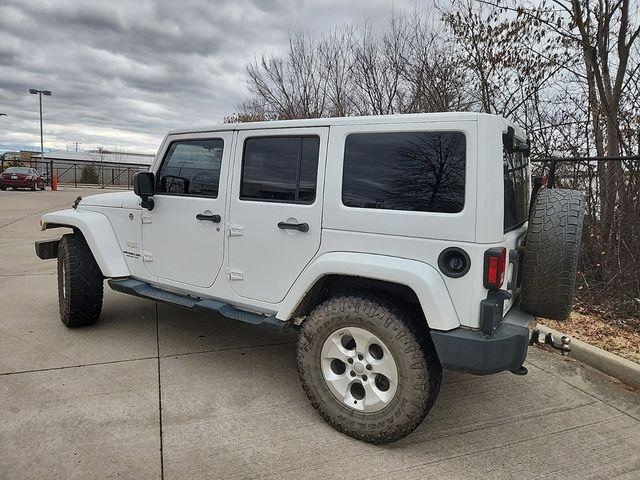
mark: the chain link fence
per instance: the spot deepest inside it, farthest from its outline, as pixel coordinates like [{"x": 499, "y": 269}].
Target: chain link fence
[
  {"x": 609, "y": 270},
  {"x": 83, "y": 174}
]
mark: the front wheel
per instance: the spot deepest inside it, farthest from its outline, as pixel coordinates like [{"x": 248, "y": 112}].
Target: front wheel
[
  {"x": 80, "y": 282},
  {"x": 368, "y": 370}
]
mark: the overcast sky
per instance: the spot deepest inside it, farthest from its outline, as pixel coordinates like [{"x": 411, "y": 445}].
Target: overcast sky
[{"x": 122, "y": 73}]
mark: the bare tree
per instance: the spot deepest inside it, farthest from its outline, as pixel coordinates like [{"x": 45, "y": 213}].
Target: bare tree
[
  {"x": 291, "y": 87},
  {"x": 402, "y": 68}
]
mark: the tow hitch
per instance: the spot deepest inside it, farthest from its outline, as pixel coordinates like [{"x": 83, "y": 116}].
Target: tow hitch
[{"x": 563, "y": 345}]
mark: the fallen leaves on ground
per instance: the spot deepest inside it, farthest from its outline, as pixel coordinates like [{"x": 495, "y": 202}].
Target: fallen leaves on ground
[{"x": 617, "y": 336}]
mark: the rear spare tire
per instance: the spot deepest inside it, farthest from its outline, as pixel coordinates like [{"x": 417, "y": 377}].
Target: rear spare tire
[
  {"x": 551, "y": 253},
  {"x": 80, "y": 282}
]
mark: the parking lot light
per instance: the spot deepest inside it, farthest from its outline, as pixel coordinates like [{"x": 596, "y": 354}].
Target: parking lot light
[{"x": 34, "y": 91}]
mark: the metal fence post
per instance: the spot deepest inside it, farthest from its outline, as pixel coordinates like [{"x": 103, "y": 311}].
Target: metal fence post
[{"x": 551, "y": 178}]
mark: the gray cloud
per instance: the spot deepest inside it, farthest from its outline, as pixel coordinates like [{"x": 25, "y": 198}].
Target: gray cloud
[{"x": 124, "y": 72}]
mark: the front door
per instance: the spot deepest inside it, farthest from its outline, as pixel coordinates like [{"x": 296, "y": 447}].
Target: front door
[
  {"x": 276, "y": 209},
  {"x": 183, "y": 236}
]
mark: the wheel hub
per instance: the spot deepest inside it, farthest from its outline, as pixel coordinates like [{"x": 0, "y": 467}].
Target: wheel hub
[{"x": 359, "y": 369}]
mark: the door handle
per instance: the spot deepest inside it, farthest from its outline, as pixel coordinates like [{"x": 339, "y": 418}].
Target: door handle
[
  {"x": 209, "y": 218},
  {"x": 302, "y": 227}
]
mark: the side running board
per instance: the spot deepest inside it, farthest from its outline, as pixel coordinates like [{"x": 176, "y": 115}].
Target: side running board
[{"x": 142, "y": 289}]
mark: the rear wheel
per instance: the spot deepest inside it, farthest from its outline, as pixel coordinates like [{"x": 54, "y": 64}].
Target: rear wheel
[
  {"x": 551, "y": 253},
  {"x": 369, "y": 371},
  {"x": 80, "y": 282}
]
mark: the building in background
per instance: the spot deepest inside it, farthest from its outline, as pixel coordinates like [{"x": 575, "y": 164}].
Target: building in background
[{"x": 18, "y": 156}]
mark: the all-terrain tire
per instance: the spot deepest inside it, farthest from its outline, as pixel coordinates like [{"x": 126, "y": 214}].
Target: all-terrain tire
[
  {"x": 419, "y": 371},
  {"x": 551, "y": 253},
  {"x": 80, "y": 282}
]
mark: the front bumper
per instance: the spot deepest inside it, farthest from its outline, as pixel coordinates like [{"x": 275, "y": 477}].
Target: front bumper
[
  {"x": 46, "y": 249},
  {"x": 475, "y": 352}
]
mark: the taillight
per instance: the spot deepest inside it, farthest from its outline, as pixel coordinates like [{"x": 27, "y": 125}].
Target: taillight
[
  {"x": 495, "y": 264},
  {"x": 540, "y": 181}
]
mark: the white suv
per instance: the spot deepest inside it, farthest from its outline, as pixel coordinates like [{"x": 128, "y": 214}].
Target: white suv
[{"x": 397, "y": 245}]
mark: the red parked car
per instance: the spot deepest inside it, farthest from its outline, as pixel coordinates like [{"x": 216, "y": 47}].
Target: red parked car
[{"x": 21, "y": 177}]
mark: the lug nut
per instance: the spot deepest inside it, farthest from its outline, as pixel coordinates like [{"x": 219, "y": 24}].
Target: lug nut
[
  {"x": 360, "y": 357},
  {"x": 364, "y": 378},
  {"x": 350, "y": 360},
  {"x": 353, "y": 374},
  {"x": 369, "y": 367}
]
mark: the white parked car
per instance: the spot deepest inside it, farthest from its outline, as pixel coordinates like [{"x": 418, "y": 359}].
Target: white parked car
[{"x": 397, "y": 245}]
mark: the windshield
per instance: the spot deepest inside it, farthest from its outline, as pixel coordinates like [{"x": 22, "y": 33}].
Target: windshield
[
  {"x": 516, "y": 190},
  {"x": 23, "y": 170}
]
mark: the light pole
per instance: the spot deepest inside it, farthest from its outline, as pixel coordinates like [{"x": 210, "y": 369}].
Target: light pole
[
  {"x": 33, "y": 91},
  {"x": 2, "y": 160}
]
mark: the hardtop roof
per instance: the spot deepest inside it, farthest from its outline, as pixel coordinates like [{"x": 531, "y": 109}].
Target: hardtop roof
[{"x": 340, "y": 121}]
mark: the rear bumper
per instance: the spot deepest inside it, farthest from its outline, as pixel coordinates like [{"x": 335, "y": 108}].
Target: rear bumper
[
  {"x": 17, "y": 183},
  {"x": 475, "y": 352},
  {"x": 46, "y": 249}
]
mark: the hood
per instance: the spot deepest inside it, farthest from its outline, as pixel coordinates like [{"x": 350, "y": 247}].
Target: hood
[{"x": 114, "y": 200}]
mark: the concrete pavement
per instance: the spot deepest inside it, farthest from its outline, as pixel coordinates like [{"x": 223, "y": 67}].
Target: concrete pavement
[{"x": 154, "y": 391}]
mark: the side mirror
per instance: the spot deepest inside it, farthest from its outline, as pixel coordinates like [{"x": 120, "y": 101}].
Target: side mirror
[{"x": 144, "y": 185}]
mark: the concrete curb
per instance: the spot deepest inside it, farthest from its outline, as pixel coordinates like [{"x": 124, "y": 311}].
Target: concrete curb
[{"x": 624, "y": 370}]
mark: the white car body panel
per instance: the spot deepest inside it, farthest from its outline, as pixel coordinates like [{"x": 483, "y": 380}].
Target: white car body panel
[
  {"x": 176, "y": 246},
  {"x": 278, "y": 266},
  {"x": 442, "y": 226},
  {"x": 100, "y": 237},
  {"x": 268, "y": 258},
  {"x": 423, "y": 279}
]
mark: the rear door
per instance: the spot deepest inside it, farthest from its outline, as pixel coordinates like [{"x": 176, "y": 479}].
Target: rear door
[
  {"x": 275, "y": 209},
  {"x": 182, "y": 237}
]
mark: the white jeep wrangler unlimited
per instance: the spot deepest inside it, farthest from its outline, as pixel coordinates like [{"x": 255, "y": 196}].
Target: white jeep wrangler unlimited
[{"x": 397, "y": 245}]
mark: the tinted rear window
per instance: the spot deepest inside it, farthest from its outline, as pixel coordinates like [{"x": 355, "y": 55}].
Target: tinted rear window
[
  {"x": 417, "y": 171},
  {"x": 22, "y": 170},
  {"x": 516, "y": 190}
]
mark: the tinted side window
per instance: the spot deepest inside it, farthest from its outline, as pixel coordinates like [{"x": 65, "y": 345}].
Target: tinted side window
[
  {"x": 192, "y": 167},
  {"x": 417, "y": 171},
  {"x": 280, "y": 169}
]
